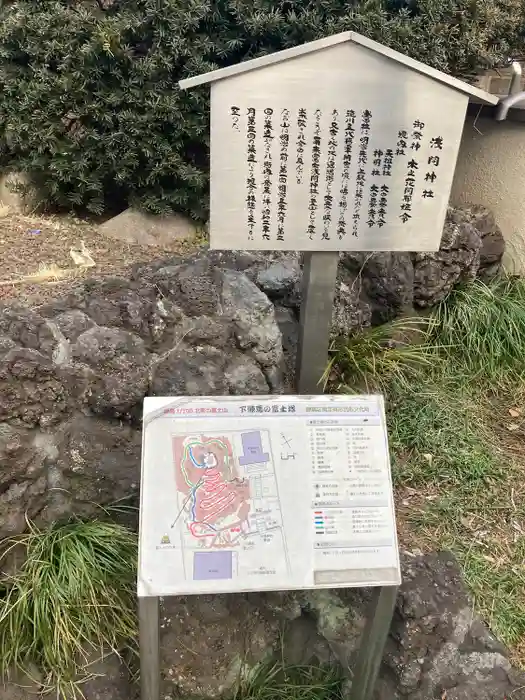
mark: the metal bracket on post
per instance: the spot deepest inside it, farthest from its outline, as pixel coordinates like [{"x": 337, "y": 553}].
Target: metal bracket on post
[
  {"x": 318, "y": 288},
  {"x": 149, "y": 642},
  {"x": 373, "y": 642}
]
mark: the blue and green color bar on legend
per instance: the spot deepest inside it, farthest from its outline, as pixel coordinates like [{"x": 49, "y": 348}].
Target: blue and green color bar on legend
[
  {"x": 319, "y": 522},
  {"x": 323, "y": 523}
]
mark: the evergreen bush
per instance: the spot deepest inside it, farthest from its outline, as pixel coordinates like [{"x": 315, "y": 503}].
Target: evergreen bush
[{"x": 90, "y": 107}]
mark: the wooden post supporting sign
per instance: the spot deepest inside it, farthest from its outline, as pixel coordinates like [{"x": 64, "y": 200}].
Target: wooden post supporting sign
[{"x": 319, "y": 277}]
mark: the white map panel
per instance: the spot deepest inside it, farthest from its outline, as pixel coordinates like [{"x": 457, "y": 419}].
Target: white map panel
[{"x": 261, "y": 493}]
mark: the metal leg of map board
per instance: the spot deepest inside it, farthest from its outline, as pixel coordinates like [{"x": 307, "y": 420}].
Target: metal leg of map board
[
  {"x": 373, "y": 643},
  {"x": 319, "y": 275},
  {"x": 149, "y": 640}
]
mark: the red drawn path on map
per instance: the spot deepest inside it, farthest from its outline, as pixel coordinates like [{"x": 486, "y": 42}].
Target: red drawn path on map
[{"x": 216, "y": 499}]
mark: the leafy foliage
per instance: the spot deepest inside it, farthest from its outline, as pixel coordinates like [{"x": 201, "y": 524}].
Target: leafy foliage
[{"x": 90, "y": 105}]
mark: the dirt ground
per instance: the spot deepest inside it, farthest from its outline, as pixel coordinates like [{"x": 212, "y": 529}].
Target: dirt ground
[{"x": 36, "y": 263}]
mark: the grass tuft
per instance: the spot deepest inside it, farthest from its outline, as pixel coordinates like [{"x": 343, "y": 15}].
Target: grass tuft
[
  {"x": 371, "y": 359},
  {"x": 481, "y": 328},
  {"x": 277, "y": 681},
  {"x": 73, "y": 596}
]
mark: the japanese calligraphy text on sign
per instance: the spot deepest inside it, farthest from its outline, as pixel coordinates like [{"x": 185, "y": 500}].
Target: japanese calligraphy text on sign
[{"x": 336, "y": 150}]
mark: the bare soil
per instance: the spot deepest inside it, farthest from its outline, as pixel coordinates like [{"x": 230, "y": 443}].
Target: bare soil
[{"x": 36, "y": 264}]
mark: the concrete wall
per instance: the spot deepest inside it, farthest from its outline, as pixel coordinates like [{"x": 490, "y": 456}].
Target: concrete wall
[{"x": 491, "y": 171}]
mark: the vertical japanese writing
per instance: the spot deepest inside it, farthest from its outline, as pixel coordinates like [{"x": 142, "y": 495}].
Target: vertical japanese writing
[
  {"x": 330, "y": 173},
  {"x": 345, "y": 176},
  {"x": 412, "y": 166},
  {"x": 436, "y": 143},
  {"x": 408, "y": 192},
  {"x": 383, "y": 204},
  {"x": 388, "y": 161},
  {"x": 235, "y": 115},
  {"x": 301, "y": 143},
  {"x": 372, "y": 204},
  {"x": 267, "y": 173},
  {"x": 251, "y": 184},
  {"x": 362, "y": 160},
  {"x": 314, "y": 173},
  {"x": 417, "y": 135},
  {"x": 376, "y": 162},
  {"x": 401, "y": 145},
  {"x": 282, "y": 202}
]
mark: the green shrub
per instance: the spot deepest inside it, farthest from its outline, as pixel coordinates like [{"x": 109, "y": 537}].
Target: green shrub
[{"x": 90, "y": 106}]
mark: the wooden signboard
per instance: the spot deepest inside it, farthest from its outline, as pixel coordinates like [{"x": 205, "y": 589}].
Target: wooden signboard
[{"x": 340, "y": 144}]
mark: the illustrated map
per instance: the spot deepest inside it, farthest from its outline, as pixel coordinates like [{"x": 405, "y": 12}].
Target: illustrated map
[{"x": 265, "y": 493}]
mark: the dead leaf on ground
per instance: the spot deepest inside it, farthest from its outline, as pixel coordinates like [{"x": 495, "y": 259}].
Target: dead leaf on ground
[
  {"x": 515, "y": 412},
  {"x": 81, "y": 256},
  {"x": 511, "y": 427}
]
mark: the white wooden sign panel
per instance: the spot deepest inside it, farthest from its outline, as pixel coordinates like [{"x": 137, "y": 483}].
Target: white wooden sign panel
[
  {"x": 254, "y": 493},
  {"x": 339, "y": 149}
]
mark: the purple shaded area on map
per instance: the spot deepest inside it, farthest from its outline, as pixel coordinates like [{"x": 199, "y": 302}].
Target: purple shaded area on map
[
  {"x": 212, "y": 565},
  {"x": 252, "y": 448}
]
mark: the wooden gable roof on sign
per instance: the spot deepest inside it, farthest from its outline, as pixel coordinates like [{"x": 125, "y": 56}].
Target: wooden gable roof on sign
[{"x": 473, "y": 93}]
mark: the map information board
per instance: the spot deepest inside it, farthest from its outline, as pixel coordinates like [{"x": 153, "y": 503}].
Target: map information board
[{"x": 265, "y": 493}]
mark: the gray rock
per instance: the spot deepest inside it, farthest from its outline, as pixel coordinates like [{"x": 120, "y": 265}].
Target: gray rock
[
  {"x": 30, "y": 391},
  {"x": 82, "y": 365},
  {"x": 192, "y": 286},
  {"x": 244, "y": 376},
  {"x": 119, "y": 367},
  {"x": 73, "y": 323},
  {"x": 280, "y": 278},
  {"x": 387, "y": 281},
  {"x": 351, "y": 311},
  {"x": 27, "y": 329},
  {"x": 96, "y": 462},
  {"x": 436, "y": 642},
  {"x": 23, "y": 478},
  {"x": 190, "y": 371},
  {"x": 253, "y": 318},
  {"x": 139, "y": 228},
  {"x": 458, "y": 260}
]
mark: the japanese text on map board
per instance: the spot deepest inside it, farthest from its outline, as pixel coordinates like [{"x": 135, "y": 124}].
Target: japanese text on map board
[{"x": 245, "y": 494}]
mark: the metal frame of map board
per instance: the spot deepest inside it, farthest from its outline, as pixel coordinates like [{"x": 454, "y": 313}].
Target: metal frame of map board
[{"x": 384, "y": 596}]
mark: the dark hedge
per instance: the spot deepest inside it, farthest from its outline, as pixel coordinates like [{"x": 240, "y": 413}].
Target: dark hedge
[{"x": 90, "y": 106}]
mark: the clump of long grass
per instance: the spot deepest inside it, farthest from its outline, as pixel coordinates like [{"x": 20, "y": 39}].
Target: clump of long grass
[
  {"x": 371, "y": 359},
  {"x": 73, "y": 596},
  {"x": 278, "y": 681},
  {"x": 480, "y": 329}
]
